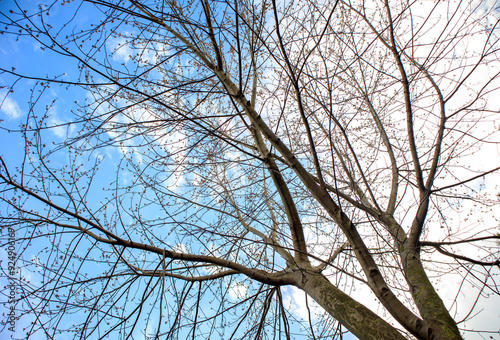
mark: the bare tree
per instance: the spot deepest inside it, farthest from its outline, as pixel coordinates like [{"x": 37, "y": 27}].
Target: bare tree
[{"x": 221, "y": 152}]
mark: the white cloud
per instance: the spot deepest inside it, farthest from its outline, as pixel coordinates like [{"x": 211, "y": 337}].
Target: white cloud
[
  {"x": 295, "y": 302},
  {"x": 9, "y": 107},
  {"x": 237, "y": 291},
  {"x": 120, "y": 50},
  {"x": 57, "y": 126}
]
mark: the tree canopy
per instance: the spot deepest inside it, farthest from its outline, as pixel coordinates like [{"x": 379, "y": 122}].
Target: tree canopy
[{"x": 251, "y": 169}]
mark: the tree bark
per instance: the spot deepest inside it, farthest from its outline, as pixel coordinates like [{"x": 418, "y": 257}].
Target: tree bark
[
  {"x": 439, "y": 323},
  {"x": 357, "y": 318}
]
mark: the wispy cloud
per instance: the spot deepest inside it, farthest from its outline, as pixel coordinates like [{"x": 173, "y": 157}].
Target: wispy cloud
[
  {"x": 9, "y": 107},
  {"x": 121, "y": 51}
]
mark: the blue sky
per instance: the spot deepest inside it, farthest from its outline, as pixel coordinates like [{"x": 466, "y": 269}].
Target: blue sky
[
  {"x": 28, "y": 98},
  {"x": 23, "y": 55}
]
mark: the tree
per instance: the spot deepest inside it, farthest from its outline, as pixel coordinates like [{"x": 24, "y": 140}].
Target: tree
[{"x": 220, "y": 152}]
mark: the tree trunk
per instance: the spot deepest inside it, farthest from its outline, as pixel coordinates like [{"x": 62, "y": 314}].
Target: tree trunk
[
  {"x": 358, "y": 319},
  {"x": 440, "y": 325}
]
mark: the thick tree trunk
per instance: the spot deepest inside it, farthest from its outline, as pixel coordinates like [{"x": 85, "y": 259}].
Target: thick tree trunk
[
  {"x": 432, "y": 309},
  {"x": 358, "y": 319},
  {"x": 365, "y": 324}
]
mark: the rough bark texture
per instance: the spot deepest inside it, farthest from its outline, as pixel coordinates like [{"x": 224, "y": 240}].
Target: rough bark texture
[
  {"x": 358, "y": 319},
  {"x": 440, "y": 325}
]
